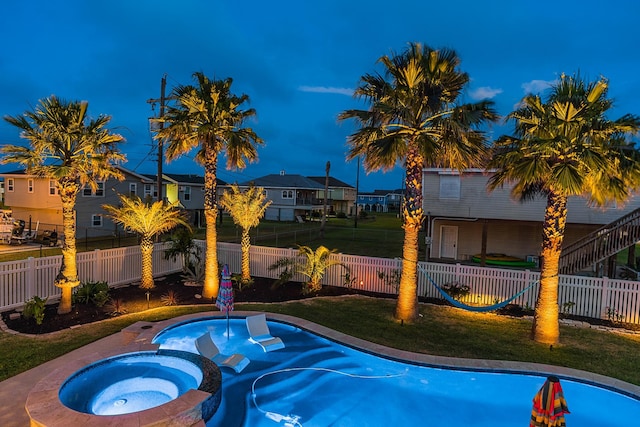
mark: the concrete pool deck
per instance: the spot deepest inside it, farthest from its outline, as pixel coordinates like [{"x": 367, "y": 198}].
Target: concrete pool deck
[{"x": 14, "y": 391}]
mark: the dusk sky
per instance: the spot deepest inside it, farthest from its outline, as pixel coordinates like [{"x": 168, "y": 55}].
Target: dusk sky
[{"x": 299, "y": 63}]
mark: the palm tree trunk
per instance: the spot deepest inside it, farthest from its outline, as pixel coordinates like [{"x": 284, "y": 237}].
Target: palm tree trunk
[
  {"x": 67, "y": 277},
  {"x": 211, "y": 280},
  {"x": 245, "y": 245},
  {"x": 546, "y": 328},
  {"x": 407, "y": 305},
  {"x": 146, "y": 250}
]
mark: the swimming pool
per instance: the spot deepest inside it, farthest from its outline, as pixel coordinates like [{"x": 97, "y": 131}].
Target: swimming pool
[{"x": 314, "y": 381}]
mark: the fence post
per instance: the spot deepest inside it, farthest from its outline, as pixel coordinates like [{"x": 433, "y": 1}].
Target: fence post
[
  {"x": 97, "y": 266},
  {"x": 604, "y": 302},
  {"x": 31, "y": 278}
]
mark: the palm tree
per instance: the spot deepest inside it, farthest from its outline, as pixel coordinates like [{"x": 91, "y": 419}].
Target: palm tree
[
  {"x": 246, "y": 208},
  {"x": 414, "y": 118},
  {"x": 564, "y": 146},
  {"x": 148, "y": 220},
  {"x": 208, "y": 116},
  {"x": 67, "y": 146},
  {"x": 314, "y": 267}
]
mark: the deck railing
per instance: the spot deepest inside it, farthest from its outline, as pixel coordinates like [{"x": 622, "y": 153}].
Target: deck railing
[{"x": 603, "y": 298}]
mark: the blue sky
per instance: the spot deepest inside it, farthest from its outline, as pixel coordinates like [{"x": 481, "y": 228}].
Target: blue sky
[{"x": 299, "y": 62}]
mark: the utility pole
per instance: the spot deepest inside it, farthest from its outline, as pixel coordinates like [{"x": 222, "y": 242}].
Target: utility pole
[
  {"x": 326, "y": 196},
  {"x": 161, "y": 100},
  {"x": 355, "y": 222}
]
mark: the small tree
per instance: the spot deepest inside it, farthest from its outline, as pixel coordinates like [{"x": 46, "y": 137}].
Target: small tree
[
  {"x": 314, "y": 266},
  {"x": 246, "y": 208},
  {"x": 147, "y": 219}
]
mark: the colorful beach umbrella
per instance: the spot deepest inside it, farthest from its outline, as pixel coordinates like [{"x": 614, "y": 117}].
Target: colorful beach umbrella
[
  {"x": 549, "y": 405},
  {"x": 225, "y": 294}
]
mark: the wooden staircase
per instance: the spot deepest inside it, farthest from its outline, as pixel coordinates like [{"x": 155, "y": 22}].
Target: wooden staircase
[{"x": 601, "y": 244}]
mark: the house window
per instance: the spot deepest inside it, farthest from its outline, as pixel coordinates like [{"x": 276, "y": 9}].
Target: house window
[
  {"x": 10, "y": 184},
  {"x": 98, "y": 192},
  {"x": 187, "y": 193},
  {"x": 287, "y": 194},
  {"x": 450, "y": 187},
  {"x": 96, "y": 220},
  {"x": 148, "y": 190},
  {"x": 30, "y": 185},
  {"x": 133, "y": 189},
  {"x": 53, "y": 187}
]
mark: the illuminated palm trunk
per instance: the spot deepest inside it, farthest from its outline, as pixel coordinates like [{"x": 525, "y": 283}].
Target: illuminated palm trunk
[
  {"x": 245, "y": 244},
  {"x": 146, "y": 249},
  {"x": 67, "y": 277},
  {"x": 211, "y": 280},
  {"x": 546, "y": 328},
  {"x": 407, "y": 305}
]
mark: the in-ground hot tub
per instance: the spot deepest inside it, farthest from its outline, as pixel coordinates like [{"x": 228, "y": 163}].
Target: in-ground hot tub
[
  {"x": 129, "y": 383},
  {"x": 142, "y": 388}
]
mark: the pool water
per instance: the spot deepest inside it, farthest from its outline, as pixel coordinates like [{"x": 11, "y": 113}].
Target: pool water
[
  {"x": 129, "y": 383},
  {"x": 317, "y": 382}
]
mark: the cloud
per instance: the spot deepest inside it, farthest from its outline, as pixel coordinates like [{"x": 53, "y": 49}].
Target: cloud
[
  {"x": 536, "y": 86},
  {"x": 324, "y": 89},
  {"x": 484, "y": 92}
]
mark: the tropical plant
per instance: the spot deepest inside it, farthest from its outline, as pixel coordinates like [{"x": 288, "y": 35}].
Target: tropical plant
[
  {"x": 170, "y": 298},
  {"x": 34, "y": 308},
  {"x": 148, "y": 220},
  {"x": 564, "y": 146},
  {"x": 67, "y": 146},
  {"x": 208, "y": 116},
  {"x": 96, "y": 293},
  {"x": 313, "y": 267},
  {"x": 246, "y": 207},
  {"x": 115, "y": 307},
  {"x": 181, "y": 244},
  {"x": 414, "y": 119}
]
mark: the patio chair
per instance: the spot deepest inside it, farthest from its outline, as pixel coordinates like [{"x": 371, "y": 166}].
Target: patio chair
[
  {"x": 259, "y": 333},
  {"x": 207, "y": 348}
]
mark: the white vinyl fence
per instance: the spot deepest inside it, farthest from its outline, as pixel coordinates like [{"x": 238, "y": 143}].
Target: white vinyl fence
[
  {"x": 583, "y": 296},
  {"x": 21, "y": 280}
]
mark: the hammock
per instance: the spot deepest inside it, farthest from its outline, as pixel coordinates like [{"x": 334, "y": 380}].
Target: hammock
[{"x": 485, "y": 308}]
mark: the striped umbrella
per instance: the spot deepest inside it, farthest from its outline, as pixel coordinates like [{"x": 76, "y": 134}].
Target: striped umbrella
[
  {"x": 225, "y": 294},
  {"x": 549, "y": 405}
]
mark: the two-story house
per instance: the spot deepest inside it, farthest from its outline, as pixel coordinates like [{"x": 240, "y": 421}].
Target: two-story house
[
  {"x": 291, "y": 196},
  {"x": 341, "y": 196},
  {"x": 462, "y": 216},
  {"x": 380, "y": 201},
  {"x": 35, "y": 200}
]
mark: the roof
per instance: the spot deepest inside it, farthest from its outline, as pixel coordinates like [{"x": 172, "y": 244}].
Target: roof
[
  {"x": 284, "y": 181},
  {"x": 333, "y": 182},
  {"x": 382, "y": 192}
]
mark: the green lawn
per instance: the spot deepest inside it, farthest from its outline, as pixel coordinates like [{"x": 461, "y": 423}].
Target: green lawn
[{"x": 442, "y": 331}]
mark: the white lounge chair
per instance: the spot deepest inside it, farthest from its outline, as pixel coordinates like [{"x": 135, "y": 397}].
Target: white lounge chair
[
  {"x": 207, "y": 348},
  {"x": 259, "y": 333}
]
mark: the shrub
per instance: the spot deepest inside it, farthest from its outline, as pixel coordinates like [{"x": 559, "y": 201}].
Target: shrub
[
  {"x": 115, "y": 307},
  {"x": 456, "y": 290},
  {"x": 341, "y": 215},
  {"x": 96, "y": 293},
  {"x": 240, "y": 282},
  {"x": 34, "y": 308},
  {"x": 170, "y": 298}
]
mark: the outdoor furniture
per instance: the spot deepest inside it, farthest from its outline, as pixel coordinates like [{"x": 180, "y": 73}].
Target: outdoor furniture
[
  {"x": 207, "y": 348},
  {"x": 259, "y": 333}
]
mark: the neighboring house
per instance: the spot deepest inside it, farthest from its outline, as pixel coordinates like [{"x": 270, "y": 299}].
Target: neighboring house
[
  {"x": 341, "y": 198},
  {"x": 461, "y": 213},
  {"x": 187, "y": 190},
  {"x": 35, "y": 200},
  {"x": 291, "y": 196},
  {"x": 381, "y": 201}
]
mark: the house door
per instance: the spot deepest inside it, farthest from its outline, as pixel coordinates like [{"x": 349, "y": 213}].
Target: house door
[{"x": 449, "y": 241}]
